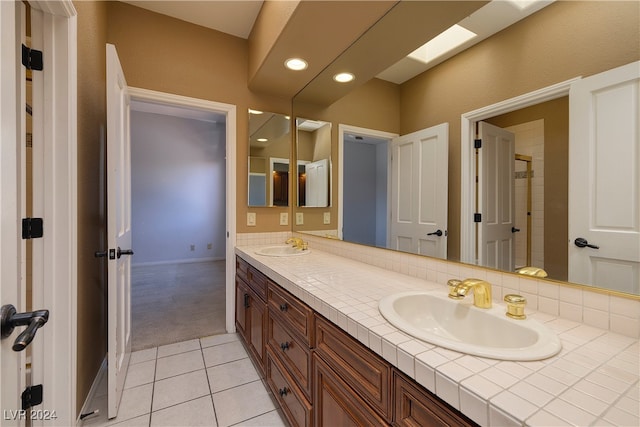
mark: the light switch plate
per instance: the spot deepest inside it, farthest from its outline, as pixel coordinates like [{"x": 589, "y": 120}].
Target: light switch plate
[
  {"x": 251, "y": 219},
  {"x": 284, "y": 218},
  {"x": 299, "y": 218},
  {"x": 326, "y": 218}
]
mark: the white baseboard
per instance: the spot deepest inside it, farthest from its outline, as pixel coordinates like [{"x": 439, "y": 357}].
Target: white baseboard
[{"x": 177, "y": 261}]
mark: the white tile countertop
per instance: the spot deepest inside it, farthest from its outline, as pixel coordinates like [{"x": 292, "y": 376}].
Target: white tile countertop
[{"x": 593, "y": 381}]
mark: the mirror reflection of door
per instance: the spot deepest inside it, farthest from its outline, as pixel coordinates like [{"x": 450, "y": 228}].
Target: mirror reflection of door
[
  {"x": 313, "y": 162},
  {"x": 419, "y": 192},
  {"x": 496, "y": 197},
  {"x": 269, "y": 151}
]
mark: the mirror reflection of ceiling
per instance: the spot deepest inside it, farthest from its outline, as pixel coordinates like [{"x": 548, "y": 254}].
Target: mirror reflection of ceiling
[{"x": 278, "y": 30}]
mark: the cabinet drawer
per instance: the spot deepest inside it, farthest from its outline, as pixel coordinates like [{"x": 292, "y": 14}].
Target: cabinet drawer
[
  {"x": 295, "y": 357},
  {"x": 258, "y": 283},
  {"x": 369, "y": 375},
  {"x": 294, "y": 314},
  {"x": 415, "y": 406},
  {"x": 293, "y": 403},
  {"x": 242, "y": 269},
  {"x": 336, "y": 404}
]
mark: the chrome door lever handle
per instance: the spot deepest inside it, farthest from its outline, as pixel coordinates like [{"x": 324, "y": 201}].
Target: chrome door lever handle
[{"x": 32, "y": 319}]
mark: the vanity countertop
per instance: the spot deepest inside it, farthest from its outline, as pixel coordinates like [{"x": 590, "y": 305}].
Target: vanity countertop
[{"x": 594, "y": 380}]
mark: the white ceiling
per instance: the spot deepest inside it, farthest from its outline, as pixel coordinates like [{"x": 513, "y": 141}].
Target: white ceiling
[
  {"x": 228, "y": 16},
  {"x": 236, "y": 17}
]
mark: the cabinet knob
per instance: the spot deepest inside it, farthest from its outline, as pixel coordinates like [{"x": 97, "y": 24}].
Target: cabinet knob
[
  {"x": 283, "y": 392},
  {"x": 284, "y": 307},
  {"x": 284, "y": 346}
]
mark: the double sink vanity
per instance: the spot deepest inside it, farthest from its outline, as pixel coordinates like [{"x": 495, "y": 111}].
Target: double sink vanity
[{"x": 342, "y": 342}]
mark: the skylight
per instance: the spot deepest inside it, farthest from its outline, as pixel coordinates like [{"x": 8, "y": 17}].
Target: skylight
[{"x": 446, "y": 41}]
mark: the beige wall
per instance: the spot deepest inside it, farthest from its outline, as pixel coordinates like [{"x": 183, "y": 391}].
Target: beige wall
[
  {"x": 556, "y": 175},
  {"x": 562, "y": 41},
  {"x": 92, "y": 304},
  {"x": 168, "y": 55}
]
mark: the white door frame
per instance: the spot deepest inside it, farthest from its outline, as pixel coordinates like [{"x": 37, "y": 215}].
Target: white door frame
[
  {"x": 342, "y": 129},
  {"x": 467, "y": 154},
  {"x": 230, "y": 111},
  {"x": 54, "y": 357}
]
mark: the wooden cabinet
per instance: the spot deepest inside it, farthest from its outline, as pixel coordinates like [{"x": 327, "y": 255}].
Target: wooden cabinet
[
  {"x": 367, "y": 373},
  {"x": 318, "y": 373},
  {"x": 336, "y": 403},
  {"x": 295, "y": 406},
  {"x": 289, "y": 338},
  {"x": 415, "y": 406},
  {"x": 251, "y": 310}
]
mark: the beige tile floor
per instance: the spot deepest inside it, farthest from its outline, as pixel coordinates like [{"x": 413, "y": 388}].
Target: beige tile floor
[{"x": 201, "y": 382}]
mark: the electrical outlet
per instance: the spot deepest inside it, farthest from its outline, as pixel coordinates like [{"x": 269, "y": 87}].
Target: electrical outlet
[
  {"x": 299, "y": 218},
  {"x": 251, "y": 219},
  {"x": 193, "y": 248},
  {"x": 284, "y": 218},
  {"x": 209, "y": 246},
  {"x": 326, "y": 218}
]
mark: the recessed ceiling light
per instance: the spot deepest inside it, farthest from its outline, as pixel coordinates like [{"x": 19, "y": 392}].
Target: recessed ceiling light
[
  {"x": 448, "y": 40},
  {"x": 254, "y": 111},
  {"x": 262, "y": 140},
  {"x": 295, "y": 64},
  {"x": 343, "y": 77}
]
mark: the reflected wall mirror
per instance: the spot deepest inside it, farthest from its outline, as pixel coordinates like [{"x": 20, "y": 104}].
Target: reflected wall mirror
[
  {"x": 269, "y": 158},
  {"x": 313, "y": 160},
  {"x": 447, "y": 92}
]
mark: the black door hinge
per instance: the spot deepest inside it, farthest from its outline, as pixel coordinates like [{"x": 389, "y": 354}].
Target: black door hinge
[
  {"x": 477, "y": 217},
  {"x": 31, "y": 396},
  {"x": 32, "y": 228},
  {"x": 477, "y": 143},
  {"x": 32, "y": 59}
]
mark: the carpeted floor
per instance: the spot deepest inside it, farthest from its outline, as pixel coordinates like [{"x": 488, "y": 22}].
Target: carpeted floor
[{"x": 176, "y": 302}]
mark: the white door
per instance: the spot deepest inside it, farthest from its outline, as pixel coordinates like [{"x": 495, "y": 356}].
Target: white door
[
  {"x": 118, "y": 228},
  {"x": 419, "y": 191},
  {"x": 317, "y": 185},
  {"x": 604, "y": 179},
  {"x": 496, "y": 201},
  {"x": 12, "y": 248}
]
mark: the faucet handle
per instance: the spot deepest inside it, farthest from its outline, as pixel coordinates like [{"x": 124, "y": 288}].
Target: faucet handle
[
  {"x": 515, "y": 306},
  {"x": 453, "y": 283}
]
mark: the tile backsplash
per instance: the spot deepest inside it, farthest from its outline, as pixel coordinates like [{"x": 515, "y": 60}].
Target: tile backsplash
[{"x": 605, "y": 311}]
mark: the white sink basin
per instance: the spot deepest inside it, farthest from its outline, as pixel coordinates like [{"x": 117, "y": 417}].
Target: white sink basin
[
  {"x": 439, "y": 320},
  {"x": 281, "y": 250}
]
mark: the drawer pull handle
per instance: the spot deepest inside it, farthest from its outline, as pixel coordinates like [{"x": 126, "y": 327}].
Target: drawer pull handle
[
  {"x": 284, "y": 307},
  {"x": 284, "y": 346},
  {"x": 283, "y": 392},
  {"x": 246, "y": 301}
]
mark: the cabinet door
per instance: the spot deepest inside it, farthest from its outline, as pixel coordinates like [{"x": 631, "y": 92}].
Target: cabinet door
[
  {"x": 256, "y": 337},
  {"x": 364, "y": 371},
  {"x": 242, "y": 302},
  {"x": 336, "y": 404},
  {"x": 417, "y": 407}
]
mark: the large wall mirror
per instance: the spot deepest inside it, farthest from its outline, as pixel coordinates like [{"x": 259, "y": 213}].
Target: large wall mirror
[
  {"x": 269, "y": 158},
  {"x": 313, "y": 158},
  {"x": 528, "y": 56}
]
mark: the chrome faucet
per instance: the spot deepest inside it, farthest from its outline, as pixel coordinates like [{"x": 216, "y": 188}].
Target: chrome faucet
[
  {"x": 298, "y": 243},
  {"x": 481, "y": 291}
]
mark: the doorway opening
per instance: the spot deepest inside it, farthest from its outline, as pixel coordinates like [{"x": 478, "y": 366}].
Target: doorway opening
[
  {"x": 178, "y": 180},
  {"x": 364, "y": 172},
  {"x": 555, "y": 221}
]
